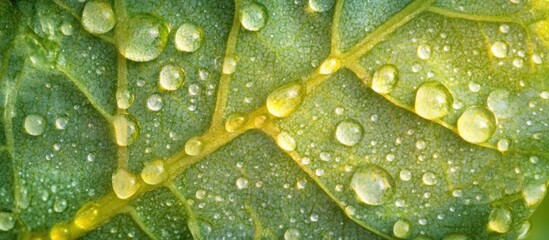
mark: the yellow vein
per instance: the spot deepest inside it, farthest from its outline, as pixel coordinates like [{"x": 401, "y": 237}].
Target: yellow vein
[
  {"x": 258, "y": 229},
  {"x": 194, "y": 229},
  {"x": 137, "y": 219},
  {"x": 335, "y": 27},
  {"x": 121, "y": 79},
  {"x": 482, "y": 18},
  {"x": 224, "y": 80}
]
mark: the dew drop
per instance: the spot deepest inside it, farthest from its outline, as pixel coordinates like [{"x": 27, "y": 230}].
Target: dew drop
[
  {"x": 533, "y": 193},
  {"x": 60, "y": 205},
  {"x": 498, "y": 103},
  {"x": 476, "y": 124},
  {"x": 321, "y": 5},
  {"x": 504, "y": 28},
  {"x": 188, "y": 38},
  {"x": 235, "y": 121},
  {"x": 292, "y": 234},
  {"x": 384, "y": 79},
  {"x": 241, "y": 183},
  {"x": 171, "y": 78},
  {"x": 61, "y": 123},
  {"x": 98, "y": 17},
  {"x": 518, "y": 62},
  {"x": 429, "y": 178},
  {"x": 524, "y": 230},
  {"x": 60, "y": 231},
  {"x": 253, "y": 17},
  {"x": 229, "y": 65},
  {"x": 286, "y": 141},
  {"x": 142, "y": 37},
  {"x": 329, "y": 66},
  {"x": 499, "y": 49},
  {"x": 503, "y": 144},
  {"x": 285, "y": 100},
  {"x": 124, "y": 98},
  {"x": 194, "y": 146},
  {"x": 154, "y": 172},
  {"x": 433, "y": 100},
  {"x": 124, "y": 184},
  {"x": 405, "y": 175},
  {"x": 86, "y": 217},
  {"x": 126, "y": 129},
  {"x": 537, "y": 59},
  {"x": 67, "y": 29},
  {"x": 7, "y": 221},
  {"x": 402, "y": 229},
  {"x": 500, "y": 220},
  {"x": 349, "y": 132},
  {"x": 373, "y": 185},
  {"x": 154, "y": 102},
  {"x": 34, "y": 125},
  {"x": 424, "y": 51}
]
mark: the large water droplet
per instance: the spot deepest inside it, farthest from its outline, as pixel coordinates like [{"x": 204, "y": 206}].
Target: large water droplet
[
  {"x": 402, "y": 229},
  {"x": 171, "y": 78},
  {"x": 349, "y": 132},
  {"x": 476, "y": 124},
  {"x": 499, "y": 49},
  {"x": 433, "y": 100},
  {"x": 194, "y": 146},
  {"x": 124, "y": 184},
  {"x": 124, "y": 98},
  {"x": 142, "y": 37},
  {"x": 286, "y": 141},
  {"x": 98, "y": 17},
  {"x": 321, "y": 5},
  {"x": 154, "y": 102},
  {"x": 229, "y": 65},
  {"x": 285, "y": 100},
  {"x": 188, "y": 38},
  {"x": 86, "y": 217},
  {"x": 34, "y": 125},
  {"x": 126, "y": 129},
  {"x": 235, "y": 121},
  {"x": 384, "y": 79},
  {"x": 154, "y": 172},
  {"x": 292, "y": 234},
  {"x": 373, "y": 185},
  {"x": 424, "y": 51},
  {"x": 253, "y": 17},
  {"x": 500, "y": 220},
  {"x": 498, "y": 102},
  {"x": 533, "y": 193},
  {"x": 7, "y": 221}
]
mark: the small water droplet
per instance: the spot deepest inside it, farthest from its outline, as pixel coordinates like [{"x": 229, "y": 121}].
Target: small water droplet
[
  {"x": 537, "y": 59},
  {"x": 98, "y": 17},
  {"x": 424, "y": 51},
  {"x": 384, "y": 79},
  {"x": 373, "y": 185},
  {"x": 504, "y": 28},
  {"x": 285, "y": 99},
  {"x": 429, "y": 178},
  {"x": 524, "y": 230},
  {"x": 518, "y": 62},
  {"x": 499, "y": 49},
  {"x": 405, "y": 175},
  {"x": 503, "y": 144},
  {"x": 7, "y": 221},
  {"x": 533, "y": 193},
  {"x": 402, "y": 229},
  {"x": 142, "y": 37},
  {"x": 60, "y": 205},
  {"x": 124, "y": 184},
  {"x": 126, "y": 129},
  {"x": 498, "y": 103},
  {"x": 67, "y": 29},
  {"x": 229, "y": 65},
  {"x": 500, "y": 220},
  {"x": 124, "y": 98},
  {"x": 34, "y": 125},
  {"x": 86, "y": 217},
  {"x": 61, "y": 123},
  {"x": 188, "y": 38},
  {"x": 476, "y": 124},
  {"x": 154, "y": 102},
  {"x": 286, "y": 141},
  {"x": 292, "y": 234},
  {"x": 171, "y": 78},
  {"x": 433, "y": 100},
  {"x": 349, "y": 132},
  {"x": 241, "y": 183},
  {"x": 194, "y": 146},
  {"x": 329, "y": 66},
  {"x": 235, "y": 121},
  {"x": 321, "y": 5},
  {"x": 154, "y": 172},
  {"x": 253, "y": 17}
]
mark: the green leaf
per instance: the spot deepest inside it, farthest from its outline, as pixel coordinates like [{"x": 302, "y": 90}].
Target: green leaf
[{"x": 316, "y": 119}]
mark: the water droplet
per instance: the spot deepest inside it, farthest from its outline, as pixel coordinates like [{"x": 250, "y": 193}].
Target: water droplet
[
  {"x": 499, "y": 220},
  {"x": 7, "y": 221},
  {"x": 503, "y": 145},
  {"x": 405, "y": 175},
  {"x": 124, "y": 98},
  {"x": 349, "y": 132},
  {"x": 34, "y": 125},
  {"x": 384, "y": 79},
  {"x": 321, "y": 5},
  {"x": 499, "y": 49},
  {"x": 60, "y": 205},
  {"x": 86, "y": 216},
  {"x": 433, "y": 100},
  {"x": 188, "y": 38},
  {"x": 498, "y": 102},
  {"x": 98, "y": 17},
  {"x": 241, "y": 183},
  {"x": 235, "y": 121},
  {"x": 61, "y": 123},
  {"x": 504, "y": 28},
  {"x": 124, "y": 184},
  {"x": 154, "y": 102},
  {"x": 67, "y": 29},
  {"x": 420, "y": 144},
  {"x": 422, "y": 221},
  {"x": 424, "y": 51},
  {"x": 474, "y": 87},
  {"x": 544, "y": 95},
  {"x": 229, "y": 65},
  {"x": 402, "y": 229},
  {"x": 142, "y": 37},
  {"x": 457, "y": 193},
  {"x": 518, "y": 62},
  {"x": 329, "y": 66},
  {"x": 476, "y": 124},
  {"x": 533, "y": 193},
  {"x": 253, "y": 17},
  {"x": 537, "y": 59},
  {"x": 60, "y": 231},
  {"x": 429, "y": 178},
  {"x": 194, "y": 146},
  {"x": 524, "y": 230},
  {"x": 285, "y": 100},
  {"x": 126, "y": 129},
  {"x": 154, "y": 173},
  {"x": 171, "y": 78},
  {"x": 286, "y": 141},
  {"x": 292, "y": 234},
  {"x": 373, "y": 185}
]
